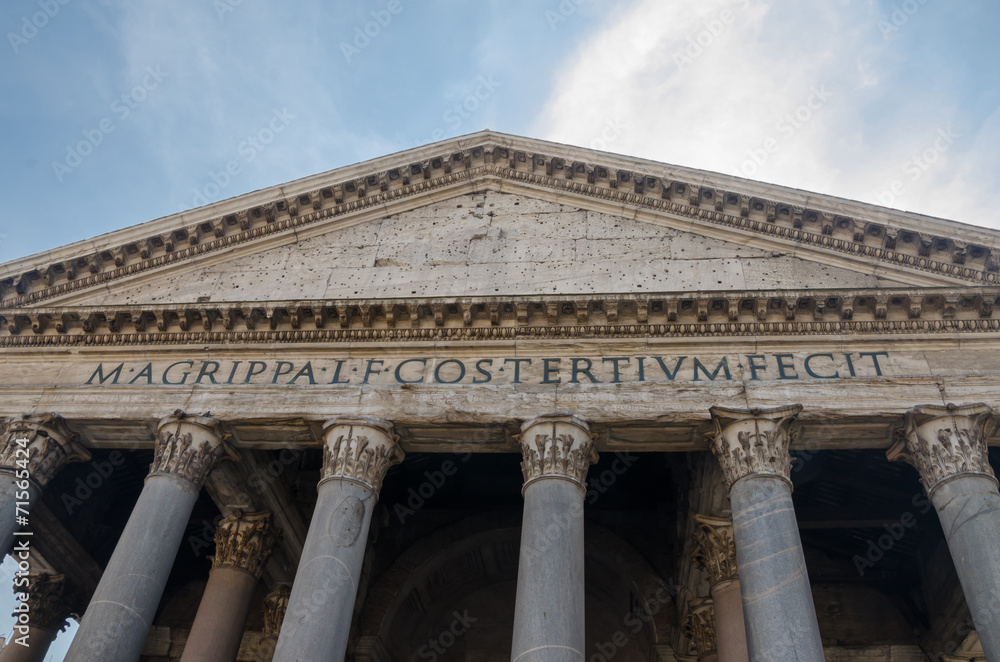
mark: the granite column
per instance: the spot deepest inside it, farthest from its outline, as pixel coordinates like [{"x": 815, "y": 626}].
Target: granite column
[
  {"x": 357, "y": 452},
  {"x": 752, "y": 447},
  {"x": 549, "y": 622},
  {"x": 947, "y": 445},
  {"x": 116, "y": 623}
]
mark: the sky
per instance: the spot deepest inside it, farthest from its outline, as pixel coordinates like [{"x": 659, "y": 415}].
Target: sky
[{"x": 116, "y": 112}]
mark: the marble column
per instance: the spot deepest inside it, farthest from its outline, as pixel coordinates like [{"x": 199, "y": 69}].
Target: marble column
[
  {"x": 243, "y": 544},
  {"x": 716, "y": 554},
  {"x": 947, "y": 445},
  {"x": 275, "y": 605},
  {"x": 357, "y": 452},
  {"x": 32, "y": 450},
  {"x": 48, "y": 609},
  {"x": 778, "y": 610},
  {"x": 119, "y": 616},
  {"x": 699, "y": 626},
  {"x": 557, "y": 450}
]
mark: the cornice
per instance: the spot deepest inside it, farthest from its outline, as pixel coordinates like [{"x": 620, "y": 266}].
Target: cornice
[
  {"x": 910, "y": 243},
  {"x": 723, "y": 313}
]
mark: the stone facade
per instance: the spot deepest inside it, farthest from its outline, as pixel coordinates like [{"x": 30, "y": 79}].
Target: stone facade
[{"x": 496, "y": 376}]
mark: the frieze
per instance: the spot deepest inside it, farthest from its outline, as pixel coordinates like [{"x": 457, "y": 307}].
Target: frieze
[{"x": 885, "y": 242}]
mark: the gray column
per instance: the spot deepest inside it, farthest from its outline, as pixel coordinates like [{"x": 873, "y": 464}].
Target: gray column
[
  {"x": 549, "y": 623},
  {"x": 947, "y": 445},
  {"x": 275, "y": 605},
  {"x": 243, "y": 544},
  {"x": 48, "y": 609},
  {"x": 32, "y": 450},
  {"x": 357, "y": 452},
  {"x": 699, "y": 626},
  {"x": 716, "y": 554},
  {"x": 778, "y": 610},
  {"x": 119, "y": 616}
]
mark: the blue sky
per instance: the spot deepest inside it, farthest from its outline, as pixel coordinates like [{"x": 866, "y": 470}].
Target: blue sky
[{"x": 115, "y": 112}]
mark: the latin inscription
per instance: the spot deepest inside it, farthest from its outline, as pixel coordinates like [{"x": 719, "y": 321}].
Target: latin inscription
[{"x": 500, "y": 370}]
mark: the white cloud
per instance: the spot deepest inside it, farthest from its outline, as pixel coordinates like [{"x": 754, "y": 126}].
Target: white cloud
[{"x": 790, "y": 93}]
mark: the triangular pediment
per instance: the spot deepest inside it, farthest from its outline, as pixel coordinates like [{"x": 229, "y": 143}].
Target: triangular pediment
[{"x": 495, "y": 215}]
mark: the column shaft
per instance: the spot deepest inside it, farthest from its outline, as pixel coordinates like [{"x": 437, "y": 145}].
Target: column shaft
[
  {"x": 39, "y": 639},
  {"x": 218, "y": 627},
  {"x": 729, "y": 622},
  {"x": 969, "y": 510},
  {"x": 549, "y": 616},
  {"x": 318, "y": 620},
  {"x": 116, "y": 623},
  {"x": 777, "y": 601}
]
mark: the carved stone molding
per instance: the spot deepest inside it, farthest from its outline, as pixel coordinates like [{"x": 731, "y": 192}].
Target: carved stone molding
[
  {"x": 48, "y": 606},
  {"x": 556, "y": 446},
  {"x": 360, "y": 449},
  {"x": 715, "y": 550},
  {"x": 275, "y": 605},
  {"x": 753, "y": 442},
  {"x": 945, "y": 441},
  {"x": 188, "y": 446},
  {"x": 699, "y": 625},
  {"x": 50, "y": 446},
  {"x": 245, "y": 540}
]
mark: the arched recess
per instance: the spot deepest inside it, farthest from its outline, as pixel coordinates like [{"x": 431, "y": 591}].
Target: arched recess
[{"x": 450, "y": 596}]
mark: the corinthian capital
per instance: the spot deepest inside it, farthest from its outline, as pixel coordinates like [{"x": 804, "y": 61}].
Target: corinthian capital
[
  {"x": 245, "y": 540},
  {"x": 42, "y": 444},
  {"x": 188, "y": 446},
  {"x": 359, "y": 449},
  {"x": 556, "y": 446},
  {"x": 753, "y": 442},
  {"x": 699, "y": 625},
  {"x": 48, "y": 607},
  {"x": 945, "y": 441},
  {"x": 275, "y": 605},
  {"x": 715, "y": 549}
]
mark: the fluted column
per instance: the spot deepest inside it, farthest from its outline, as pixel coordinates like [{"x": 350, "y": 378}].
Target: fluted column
[
  {"x": 947, "y": 445},
  {"x": 357, "y": 452},
  {"x": 116, "y": 623},
  {"x": 275, "y": 605},
  {"x": 716, "y": 554},
  {"x": 243, "y": 544},
  {"x": 699, "y": 626},
  {"x": 47, "y": 611},
  {"x": 557, "y": 450},
  {"x": 752, "y": 447},
  {"x": 32, "y": 450}
]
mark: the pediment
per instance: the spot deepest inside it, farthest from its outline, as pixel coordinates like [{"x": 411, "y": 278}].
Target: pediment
[{"x": 492, "y": 215}]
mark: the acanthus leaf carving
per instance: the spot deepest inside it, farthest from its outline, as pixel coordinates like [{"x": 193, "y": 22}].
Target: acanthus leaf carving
[
  {"x": 715, "y": 550},
  {"x": 754, "y": 442},
  {"x": 42, "y": 443},
  {"x": 275, "y": 605},
  {"x": 699, "y": 625},
  {"x": 245, "y": 540},
  {"x": 360, "y": 449},
  {"x": 188, "y": 446},
  {"x": 564, "y": 450}
]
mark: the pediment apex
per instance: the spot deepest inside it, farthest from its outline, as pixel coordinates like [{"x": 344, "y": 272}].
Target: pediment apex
[{"x": 933, "y": 251}]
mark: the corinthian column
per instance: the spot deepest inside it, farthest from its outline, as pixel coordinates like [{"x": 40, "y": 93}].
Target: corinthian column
[
  {"x": 752, "y": 447},
  {"x": 716, "y": 554},
  {"x": 357, "y": 452},
  {"x": 48, "y": 609},
  {"x": 243, "y": 544},
  {"x": 116, "y": 623},
  {"x": 32, "y": 450},
  {"x": 699, "y": 626},
  {"x": 549, "y": 617},
  {"x": 275, "y": 605},
  {"x": 947, "y": 445}
]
